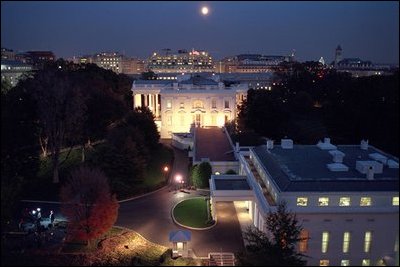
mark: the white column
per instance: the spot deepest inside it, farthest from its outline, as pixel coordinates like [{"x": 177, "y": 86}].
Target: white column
[
  {"x": 157, "y": 109},
  {"x": 137, "y": 100},
  {"x": 151, "y": 102}
]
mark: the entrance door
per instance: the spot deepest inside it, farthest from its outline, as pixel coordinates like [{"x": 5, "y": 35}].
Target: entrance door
[{"x": 198, "y": 119}]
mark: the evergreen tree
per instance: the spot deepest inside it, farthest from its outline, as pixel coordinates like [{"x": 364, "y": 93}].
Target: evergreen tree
[{"x": 277, "y": 247}]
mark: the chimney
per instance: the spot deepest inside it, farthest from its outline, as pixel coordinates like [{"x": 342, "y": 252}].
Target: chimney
[
  {"x": 327, "y": 140},
  {"x": 370, "y": 173},
  {"x": 364, "y": 145},
  {"x": 270, "y": 144}
]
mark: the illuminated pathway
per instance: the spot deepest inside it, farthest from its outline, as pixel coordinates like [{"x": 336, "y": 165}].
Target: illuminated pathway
[{"x": 151, "y": 217}]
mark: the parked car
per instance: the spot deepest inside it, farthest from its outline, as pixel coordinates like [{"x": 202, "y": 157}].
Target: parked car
[{"x": 29, "y": 224}]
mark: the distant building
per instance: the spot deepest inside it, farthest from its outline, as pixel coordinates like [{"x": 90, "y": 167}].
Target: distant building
[
  {"x": 13, "y": 71},
  {"x": 182, "y": 61},
  {"x": 7, "y": 54},
  {"x": 132, "y": 65},
  {"x": 109, "y": 60},
  {"x": 36, "y": 58},
  {"x": 338, "y": 55},
  {"x": 251, "y": 63},
  {"x": 357, "y": 67}
]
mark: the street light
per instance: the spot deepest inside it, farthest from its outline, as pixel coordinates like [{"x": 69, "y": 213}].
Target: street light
[
  {"x": 178, "y": 179},
  {"x": 166, "y": 169}
]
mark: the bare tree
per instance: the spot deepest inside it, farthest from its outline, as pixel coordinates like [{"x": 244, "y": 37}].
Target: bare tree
[
  {"x": 61, "y": 110},
  {"x": 88, "y": 204}
]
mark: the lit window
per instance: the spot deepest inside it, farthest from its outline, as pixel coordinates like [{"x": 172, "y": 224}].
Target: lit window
[
  {"x": 323, "y": 201},
  {"x": 325, "y": 241},
  {"x": 198, "y": 104},
  {"x": 346, "y": 242},
  {"x": 169, "y": 104},
  {"x": 226, "y": 103},
  {"x": 367, "y": 241},
  {"x": 182, "y": 105},
  {"x": 395, "y": 201},
  {"x": 302, "y": 201},
  {"x": 213, "y": 103},
  {"x": 303, "y": 244},
  {"x": 365, "y": 262},
  {"x": 182, "y": 120},
  {"x": 324, "y": 263},
  {"x": 345, "y": 263},
  {"x": 344, "y": 201},
  {"x": 365, "y": 201}
]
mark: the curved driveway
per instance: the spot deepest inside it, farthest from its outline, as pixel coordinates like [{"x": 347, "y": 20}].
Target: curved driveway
[{"x": 151, "y": 217}]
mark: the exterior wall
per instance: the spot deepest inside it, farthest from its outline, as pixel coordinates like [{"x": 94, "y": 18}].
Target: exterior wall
[
  {"x": 381, "y": 219},
  {"x": 180, "y": 110},
  {"x": 383, "y": 226}
]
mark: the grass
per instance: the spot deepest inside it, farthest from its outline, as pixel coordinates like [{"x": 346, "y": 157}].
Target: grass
[{"x": 192, "y": 213}]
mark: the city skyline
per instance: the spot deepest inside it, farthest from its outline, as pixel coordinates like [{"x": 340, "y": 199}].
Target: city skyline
[{"x": 367, "y": 30}]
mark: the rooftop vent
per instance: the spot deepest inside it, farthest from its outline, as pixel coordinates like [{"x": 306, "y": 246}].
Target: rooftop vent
[
  {"x": 337, "y": 156},
  {"x": 337, "y": 167},
  {"x": 326, "y": 145},
  {"x": 369, "y": 167},
  {"x": 392, "y": 164},
  {"x": 287, "y": 143},
  {"x": 364, "y": 145},
  {"x": 270, "y": 144},
  {"x": 378, "y": 157}
]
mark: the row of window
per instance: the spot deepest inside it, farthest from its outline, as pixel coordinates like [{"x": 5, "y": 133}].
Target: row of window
[
  {"x": 364, "y": 262},
  {"x": 346, "y": 242},
  {"x": 343, "y": 201},
  {"x": 199, "y": 104}
]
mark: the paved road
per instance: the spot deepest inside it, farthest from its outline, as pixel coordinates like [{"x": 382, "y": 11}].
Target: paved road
[{"x": 151, "y": 217}]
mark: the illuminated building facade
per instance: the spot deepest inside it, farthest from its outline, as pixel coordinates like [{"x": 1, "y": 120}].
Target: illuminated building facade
[
  {"x": 346, "y": 198},
  {"x": 182, "y": 61},
  {"x": 190, "y": 99},
  {"x": 251, "y": 63}
]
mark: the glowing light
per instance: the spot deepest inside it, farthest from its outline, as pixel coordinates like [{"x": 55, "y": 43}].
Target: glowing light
[
  {"x": 204, "y": 10},
  {"x": 166, "y": 168},
  {"x": 178, "y": 178}
]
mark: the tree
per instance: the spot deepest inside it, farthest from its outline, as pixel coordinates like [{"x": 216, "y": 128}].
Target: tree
[
  {"x": 277, "y": 247},
  {"x": 61, "y": 108},
  {"x": 201, "y": 174},
  {"x": 19, "y": 160},
  {"x": 149, "y": 75},
  {"x": 87, "y": 203},
  {"x": 230, "y": 171}
]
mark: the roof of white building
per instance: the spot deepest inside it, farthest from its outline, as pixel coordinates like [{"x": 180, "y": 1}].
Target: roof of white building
[
  {"x": 212, "y": 143},
  {"x": 309, "y": 168}
]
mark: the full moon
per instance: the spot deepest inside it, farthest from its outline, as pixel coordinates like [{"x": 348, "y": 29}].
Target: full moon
[{"x": 204, "y": 10}]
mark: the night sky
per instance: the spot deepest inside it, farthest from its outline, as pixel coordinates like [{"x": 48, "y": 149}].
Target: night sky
[{"x": 368, "y": 30}]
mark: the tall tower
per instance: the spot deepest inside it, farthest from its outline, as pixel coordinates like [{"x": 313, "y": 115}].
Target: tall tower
[{"x": 338, "y": 55}]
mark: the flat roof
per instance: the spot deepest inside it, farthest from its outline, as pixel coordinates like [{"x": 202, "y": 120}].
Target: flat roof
[
  {"x": 231, "y": 184},
  {"x": 304, "y": 168},
  {"x": 212, "y": 143}
]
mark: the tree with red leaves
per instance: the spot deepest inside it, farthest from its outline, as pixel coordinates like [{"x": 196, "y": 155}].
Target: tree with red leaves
[{"x": 87, "y": 203}]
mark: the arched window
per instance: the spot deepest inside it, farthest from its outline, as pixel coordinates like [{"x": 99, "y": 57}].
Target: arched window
[{"x": 198, "y": 104}]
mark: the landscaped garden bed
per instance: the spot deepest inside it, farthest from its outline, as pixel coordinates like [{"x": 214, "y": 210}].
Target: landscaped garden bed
[{"x": 193, "y": 213}]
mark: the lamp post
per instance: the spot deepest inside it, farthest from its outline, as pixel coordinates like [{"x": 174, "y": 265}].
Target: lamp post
[
  {"x": 178, "y": 179},
  {"x": 166, "y": 169}
]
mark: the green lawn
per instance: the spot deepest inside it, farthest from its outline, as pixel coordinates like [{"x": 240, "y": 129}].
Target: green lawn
[{"x": 193, "y": 213}]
